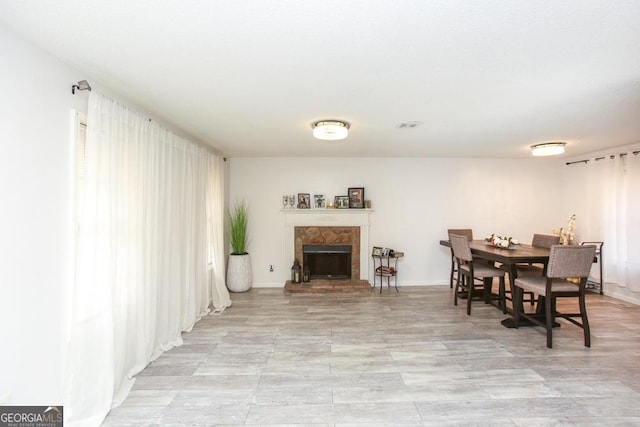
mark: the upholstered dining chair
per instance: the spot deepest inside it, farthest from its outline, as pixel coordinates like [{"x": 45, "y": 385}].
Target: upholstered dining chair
[
  {"x": 468, "y": 233},
  {"x": 543, "y": 241},
  {"x": 565, "y": 262},
  {"x": 469, "y": 271}
]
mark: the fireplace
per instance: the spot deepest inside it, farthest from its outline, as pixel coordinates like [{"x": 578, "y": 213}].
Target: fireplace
[
  {"x": 332, "y": 262},
  {"x": 329, "y": 227},
  {"x": 331, "y": 248}
]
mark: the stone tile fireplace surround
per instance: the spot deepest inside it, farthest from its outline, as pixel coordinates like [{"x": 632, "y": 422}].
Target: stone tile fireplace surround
[
  {"x": 330, "y": 226},
  {"x": 333, "y": 237}
]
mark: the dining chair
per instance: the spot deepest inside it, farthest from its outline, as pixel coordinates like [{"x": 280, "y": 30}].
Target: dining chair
[
  {"x": 542, "y": 241},
  {"x": 468, "y": 233},
  {"x": 469, "y": 271},
  {"x": 566, "y": 263}
]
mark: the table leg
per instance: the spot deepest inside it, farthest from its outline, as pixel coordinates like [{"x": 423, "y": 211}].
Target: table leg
[
  {"x": 510, "y": 322},
  {"x": 540, "y": 311},
  {"x": 487, "y": 285}
]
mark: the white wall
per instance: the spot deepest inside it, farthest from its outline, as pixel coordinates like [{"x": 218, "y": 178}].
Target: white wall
[
  {"x": 415, "y": 200},
  {"x": 36, "y": 193}
]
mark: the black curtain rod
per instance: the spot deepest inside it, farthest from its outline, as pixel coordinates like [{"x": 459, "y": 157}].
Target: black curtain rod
[
  {"x": 577, "y": 161},
  {"x": 612, "y": 156}
]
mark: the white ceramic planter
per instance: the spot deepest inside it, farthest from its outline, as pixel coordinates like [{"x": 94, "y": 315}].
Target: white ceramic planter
[{"x": 239, "y": 277}]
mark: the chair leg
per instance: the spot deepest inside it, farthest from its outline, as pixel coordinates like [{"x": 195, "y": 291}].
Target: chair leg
[
  {"x": 456, "y": 290},
  {"x": 549, "y": 316},
  {"x": 453, "y": 268},
  {"x": 585, "y": 320},
  {"x": 470, "y": 286},
  {"x": 516, "y": 300}
]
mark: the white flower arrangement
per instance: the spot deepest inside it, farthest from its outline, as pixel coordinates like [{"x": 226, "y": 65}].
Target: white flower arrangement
[
  {"x": 567, "y": 237},
  {"x": 501, "y": 242}
]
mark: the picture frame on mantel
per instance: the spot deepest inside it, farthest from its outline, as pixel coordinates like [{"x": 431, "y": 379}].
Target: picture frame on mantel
[
  {"x": 356, "y": 197},
  {"x": 342, "y": 202},
  {"x": 318, "y": 200},
  {"x": 304, "y": 201}
]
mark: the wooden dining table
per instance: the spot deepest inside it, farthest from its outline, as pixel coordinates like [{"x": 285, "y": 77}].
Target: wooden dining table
[{"x": 509, "y": 257}]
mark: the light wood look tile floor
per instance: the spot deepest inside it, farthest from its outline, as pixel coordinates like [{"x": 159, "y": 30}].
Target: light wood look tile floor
[{"x": 399, "y": 359}]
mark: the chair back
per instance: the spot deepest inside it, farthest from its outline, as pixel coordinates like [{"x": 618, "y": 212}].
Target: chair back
[
  {"x": 460, "y": 247},
  {"x": 544, "y": 240},
  {"x": 570, "y": 261},
  {"x": 466, "y": 232}
]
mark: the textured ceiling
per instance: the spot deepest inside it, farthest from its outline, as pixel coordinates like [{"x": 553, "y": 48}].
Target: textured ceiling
[{"x": 485, "y": 78}]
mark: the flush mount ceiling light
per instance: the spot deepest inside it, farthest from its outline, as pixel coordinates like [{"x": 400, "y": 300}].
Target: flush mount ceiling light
[
  {"x": 330, "y": 130},
  {"x": 548, "y": 148}
]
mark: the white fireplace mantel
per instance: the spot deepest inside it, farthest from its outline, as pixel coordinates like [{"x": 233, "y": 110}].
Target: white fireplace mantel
[{"x": 329, "y": 218}]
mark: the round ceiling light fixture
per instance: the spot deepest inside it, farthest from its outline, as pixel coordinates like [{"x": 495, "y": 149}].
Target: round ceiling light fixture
[
  {"x": 548, "y": 149},
  {"x": 330, "y": 130}
]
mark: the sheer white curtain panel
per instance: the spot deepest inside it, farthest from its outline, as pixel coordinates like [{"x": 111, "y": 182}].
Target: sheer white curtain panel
[
  {"x": 215, "y": 214},
  {"x": 632, "y": 267},
  {"x": 613, "y": 216},
  {"x": 144, "y": 259}
]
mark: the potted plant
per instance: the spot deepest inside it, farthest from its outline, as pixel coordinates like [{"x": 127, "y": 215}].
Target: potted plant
[{"x": 239, "y": 269}]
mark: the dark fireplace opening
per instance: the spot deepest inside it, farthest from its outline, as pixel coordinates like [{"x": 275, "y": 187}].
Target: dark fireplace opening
[{"x": 327, "y": 261}]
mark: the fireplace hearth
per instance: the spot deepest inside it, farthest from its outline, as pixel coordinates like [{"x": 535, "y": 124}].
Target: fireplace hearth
[{"x": 323, "y": 287}]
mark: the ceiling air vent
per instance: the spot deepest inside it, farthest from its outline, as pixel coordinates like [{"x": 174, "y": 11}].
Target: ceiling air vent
[{"x": 409, "y": 125}]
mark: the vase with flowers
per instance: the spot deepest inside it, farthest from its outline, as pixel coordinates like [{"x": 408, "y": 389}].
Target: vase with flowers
[
  {"x": 500, "y": 241},
  {"x": 567, "y": 237}
]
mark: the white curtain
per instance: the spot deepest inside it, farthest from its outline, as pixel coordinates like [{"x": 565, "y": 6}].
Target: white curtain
[
  {"x": 150, "y": 259},
  {"x": 632, "y": 271},
  {"x": 215, "y": 215},
  {"x": 613, "y": 216}
]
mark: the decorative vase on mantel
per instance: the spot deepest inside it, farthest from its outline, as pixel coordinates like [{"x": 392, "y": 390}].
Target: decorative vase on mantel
[{"x": 239, "y": 278}]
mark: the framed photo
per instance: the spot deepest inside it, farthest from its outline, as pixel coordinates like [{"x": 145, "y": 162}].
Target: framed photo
[
  {"x": 385, "y": 252},
  {"x": 304, "y": 201},
  {"x": 342, "y": 202},
  {"x": 377, "y": 251},
  {"x": 318, "y": 200},
  {"x": 356, "y": 197}
]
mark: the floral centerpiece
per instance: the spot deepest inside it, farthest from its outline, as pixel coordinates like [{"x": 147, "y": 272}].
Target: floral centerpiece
[
  {"x": 567, "y": 237},
  {"x": 501, "y": 242}
]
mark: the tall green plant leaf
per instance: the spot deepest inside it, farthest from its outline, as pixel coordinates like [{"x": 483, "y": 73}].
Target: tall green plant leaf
[{"x": 239, "y": 219}]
